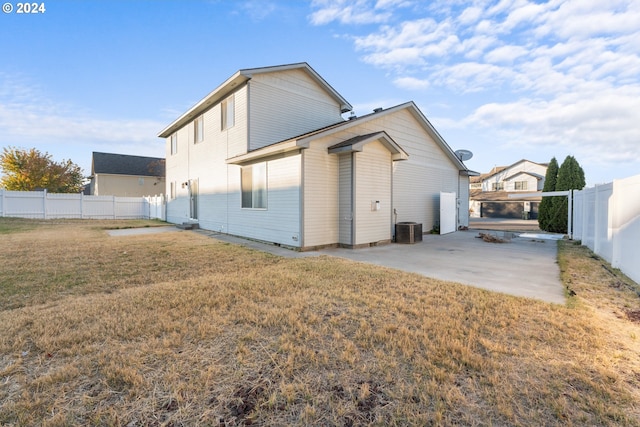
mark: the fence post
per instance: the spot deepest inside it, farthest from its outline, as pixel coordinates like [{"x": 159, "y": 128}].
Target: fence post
[
  {"x": 82, "y": 205},
  {"x": 114, "y": 207},
  {"x": 44, "y": 203},
  {"x": 2, "y": 203}
]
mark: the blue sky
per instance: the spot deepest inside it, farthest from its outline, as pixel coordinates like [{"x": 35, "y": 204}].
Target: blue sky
[{"x": 507, "y": 79}]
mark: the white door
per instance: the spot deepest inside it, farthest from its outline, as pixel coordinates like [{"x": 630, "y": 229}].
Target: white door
[
  {"x": 447, "y": 212},
  {"x": 193, "y": 199}
]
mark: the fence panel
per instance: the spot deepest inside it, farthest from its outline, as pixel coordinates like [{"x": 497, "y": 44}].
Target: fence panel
[
  {"x": 607, "y": 220},
  {"x": 156, "y": 206},
  {"x": 42, "y": 205},
  {"x": 626, "y": 226},
  {"x": 63, "y": 206},
  {"x": 130, "y": 208},
  {"x": 24, "y": 204}
]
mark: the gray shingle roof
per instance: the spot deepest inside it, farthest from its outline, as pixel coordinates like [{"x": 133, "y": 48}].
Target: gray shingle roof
[{"x": 122, "y": 164}]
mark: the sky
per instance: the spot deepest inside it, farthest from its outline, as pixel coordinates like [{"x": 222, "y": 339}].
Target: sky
[{"x": 504, "y": 79}]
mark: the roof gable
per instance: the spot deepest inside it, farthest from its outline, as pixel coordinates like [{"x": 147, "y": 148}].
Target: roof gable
[
  {"x": 122, "y": 164},
  {"x": 238, "y": 79},
  {"x": 409, "y": 106},
  {"x": 358, "y": 142},
  {"x": 303, "y": 141}
]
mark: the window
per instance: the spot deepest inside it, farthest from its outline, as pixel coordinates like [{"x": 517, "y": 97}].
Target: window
[
  {"x": 497, "y": 186},
  {"x": 254, "y": 186},
  {"x": 172, "y": 190},
  {"x": 198, "y": 129},
  {"x": 140, "y": 181},
  {"x": 228, "y": 112},
  {"x": 520, "y": 185},
  {"x": 174, "y": 143}
]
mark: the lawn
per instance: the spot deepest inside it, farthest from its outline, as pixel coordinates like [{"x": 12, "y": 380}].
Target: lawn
[{"x": 181, "y": 329}]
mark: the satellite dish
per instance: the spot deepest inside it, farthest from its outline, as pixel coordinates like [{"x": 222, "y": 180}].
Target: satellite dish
[{"x": 464, "y": 155}]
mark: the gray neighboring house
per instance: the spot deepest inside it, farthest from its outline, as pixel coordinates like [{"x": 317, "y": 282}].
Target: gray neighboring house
[{"x": 125, "y": 175}]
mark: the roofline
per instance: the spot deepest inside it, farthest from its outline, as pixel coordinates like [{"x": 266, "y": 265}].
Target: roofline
[
  {"x": 397, "y": 153},
  {"x": 512, "y": 165},
  {"x": 239, "y": 78},
  {"x": 413, "y": 108},
  {"x": 535, "y": 175}
]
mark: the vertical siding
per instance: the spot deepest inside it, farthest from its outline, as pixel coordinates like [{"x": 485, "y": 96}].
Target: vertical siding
[
  {"x": 345, "y": 212},
  {"x": 287, "y": 104},
  {"x": 372, "y": 183}
]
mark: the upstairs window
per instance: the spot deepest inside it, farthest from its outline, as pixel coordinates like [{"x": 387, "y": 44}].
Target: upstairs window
[
  {"x": 228, "y": 112},
  {"x": 198, "y": 129},
  {"x": 174, "y": 143},
  {"x": 497, "y": 186},
  {"x": 520, "y": 185},
  {"x": 254, "y": 186}
]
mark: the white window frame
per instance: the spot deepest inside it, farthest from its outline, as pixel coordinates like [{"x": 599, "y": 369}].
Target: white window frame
[
  {"x": 497, "y": 186},
  {"x": 174, "y": 143},
  {"x": 521, "y": 184},
  {"x": 228, "y": 113},
  {"x": 253, "y": 186},
  {"x": 198, "y": 129}
]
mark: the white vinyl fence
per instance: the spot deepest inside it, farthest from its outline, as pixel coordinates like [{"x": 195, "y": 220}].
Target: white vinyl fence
[
  {"x": 607, "y": 220},
  {"x": 44, "y": 205}
]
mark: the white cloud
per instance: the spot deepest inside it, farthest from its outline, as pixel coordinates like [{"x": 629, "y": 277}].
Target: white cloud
[
  {"x": 27, "y": 116},
  {"x": 597, "y": 126},
  {"x": 411, "y": 83},
  {"x": 558, "y": 73},
  {"x": 351, "y": 11},
  {"x": 505, "y": 54}
]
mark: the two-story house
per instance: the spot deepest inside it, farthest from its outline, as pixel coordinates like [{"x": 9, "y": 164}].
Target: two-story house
[
  {"x": 268, "y": 155},
  {"x": 492, "y": 194}
]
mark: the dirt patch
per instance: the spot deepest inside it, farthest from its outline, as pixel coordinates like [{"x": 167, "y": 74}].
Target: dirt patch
[
  {"x": 633, "y": 315},
  {"x": 491, "y": 238}
]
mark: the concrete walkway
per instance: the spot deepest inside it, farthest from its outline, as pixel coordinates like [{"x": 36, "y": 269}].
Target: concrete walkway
[{"x": 523, "y": 266}]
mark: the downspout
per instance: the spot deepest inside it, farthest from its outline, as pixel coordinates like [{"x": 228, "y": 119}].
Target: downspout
[{"x": 352, "y": 201}]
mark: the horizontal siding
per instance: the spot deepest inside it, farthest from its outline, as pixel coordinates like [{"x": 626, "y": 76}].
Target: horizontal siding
[
  {"x": 280, "y": 222},
  {"x": 417, "y": 182},
  {"x": 287, "y": 104},
  {"x": 320, "y": 194}
]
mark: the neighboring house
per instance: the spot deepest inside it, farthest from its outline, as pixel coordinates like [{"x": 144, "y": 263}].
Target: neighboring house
[
  {"x": 491, "y": 194},
  {"x": 267, "y": 155},
  {"x": 123, "y": 175}
]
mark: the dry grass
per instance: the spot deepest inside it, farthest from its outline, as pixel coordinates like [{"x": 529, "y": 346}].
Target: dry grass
[{"x": 181, "y": 329}]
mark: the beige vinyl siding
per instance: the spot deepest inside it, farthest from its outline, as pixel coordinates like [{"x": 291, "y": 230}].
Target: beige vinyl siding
[
  {"x": 235, "y": 138},
  {"x": 417, "y": 182},
  {"x": 128, "y": 185},
  {"x": 320, "y": 194},
  {"x": 372, "y": 170},
  {"x": 206, "y": 162},
  {"x": 287, "y": 104},
  {"x": 280, "y": 221},
  {"x": 176, "y": 169},
  {"x": 345, "y": 212}
]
